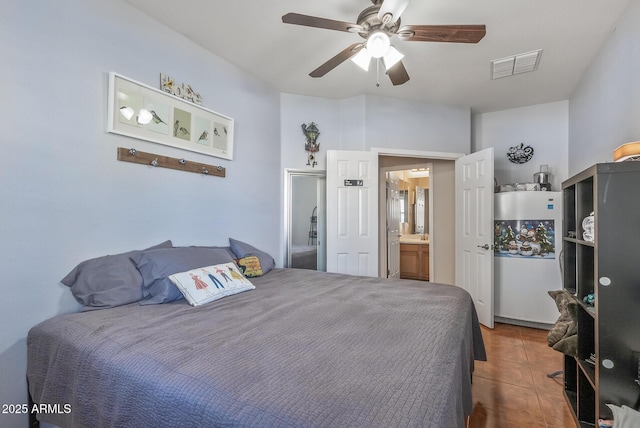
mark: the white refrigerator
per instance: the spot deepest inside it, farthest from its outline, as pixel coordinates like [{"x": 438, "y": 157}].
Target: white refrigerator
[{"x": 527, "y": 248}]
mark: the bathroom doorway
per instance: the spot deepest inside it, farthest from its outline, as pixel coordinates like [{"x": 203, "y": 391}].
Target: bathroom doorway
[
  {"x": 440, "y": 226},
  {"x": 408, "y": 222}
]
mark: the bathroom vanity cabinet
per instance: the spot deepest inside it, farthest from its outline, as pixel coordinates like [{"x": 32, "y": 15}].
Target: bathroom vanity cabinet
[{"x": 414, "y": 261}]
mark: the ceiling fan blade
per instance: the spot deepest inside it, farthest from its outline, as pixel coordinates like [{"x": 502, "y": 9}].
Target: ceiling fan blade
[
  {"x": 391, "y": 10},
  {"x": 344, "y": 55},
  {"x": 314, "y": 21},
  {"x": 398, "y": 74},
  {"x": 443, "y": 33}
]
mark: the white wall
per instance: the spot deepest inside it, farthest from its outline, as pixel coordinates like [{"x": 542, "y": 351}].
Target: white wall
[
  {"x": 602, "y": 114},
  {"x": 367, "y": 121},
  {"x": 604, "y": 110},
  {"x": 63, "y": 195},
  {"x": 413, "y": 125},
  {"x": 296, "y": 110},
  {"x": 544, "y": 127},
  {"x": 353, "y": 129}
]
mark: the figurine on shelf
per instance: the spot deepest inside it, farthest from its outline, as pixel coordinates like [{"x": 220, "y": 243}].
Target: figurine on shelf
[
  {"x": 589, "y": 299},
  {"x": 587, "y": 225}
]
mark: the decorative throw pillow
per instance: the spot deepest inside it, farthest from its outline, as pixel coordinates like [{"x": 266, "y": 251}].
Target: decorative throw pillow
[
  {"x": 242, "y": 250},
  {"x": 206, "y": 284},
  {"x": 250, "y": 266},
  {"x": 155, "y": 266},
  {"x": 108, "y": 281}
]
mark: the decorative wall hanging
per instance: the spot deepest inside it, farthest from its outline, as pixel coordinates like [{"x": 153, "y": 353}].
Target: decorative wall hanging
[
  {"x": 139, "y": 111},
  {"x": 520, "y": 154},
  {"x": 311, "y": 133},
  {"x": 184, "y": 91}
]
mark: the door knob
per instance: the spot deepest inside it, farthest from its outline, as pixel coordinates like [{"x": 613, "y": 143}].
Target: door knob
[{"x": 485, "y": 246}]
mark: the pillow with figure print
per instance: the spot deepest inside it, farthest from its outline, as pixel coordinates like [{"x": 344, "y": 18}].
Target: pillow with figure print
[{"x": 209, "y": 283}]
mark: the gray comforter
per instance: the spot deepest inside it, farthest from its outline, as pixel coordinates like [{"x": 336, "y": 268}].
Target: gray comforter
[{"x": 304, "y": 349}]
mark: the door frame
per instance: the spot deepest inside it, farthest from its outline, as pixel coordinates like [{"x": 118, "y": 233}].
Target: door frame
[
  {"x": 289, "y": 173},
  {"x": 421, "y": 158},
  {"x": 383, "y": 263}
]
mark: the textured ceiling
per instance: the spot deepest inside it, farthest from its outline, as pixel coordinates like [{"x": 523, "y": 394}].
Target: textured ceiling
[{"x": 251, "y": 35}]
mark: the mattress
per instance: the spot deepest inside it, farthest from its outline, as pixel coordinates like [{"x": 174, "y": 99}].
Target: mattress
[
  {"x": 304, "y": 256},
  {"x": 304, "y": 349}
]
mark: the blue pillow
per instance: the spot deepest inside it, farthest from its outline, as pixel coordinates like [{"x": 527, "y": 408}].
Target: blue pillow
[
  {"x": 107, "y": 281},
  {"x": 242, "y": 250},
  {"x": 156, "y": 266}
]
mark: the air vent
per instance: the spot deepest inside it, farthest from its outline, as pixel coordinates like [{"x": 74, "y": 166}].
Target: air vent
[{"x": 516, "y": 64}]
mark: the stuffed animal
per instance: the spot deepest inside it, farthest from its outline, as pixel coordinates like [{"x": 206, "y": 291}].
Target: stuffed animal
[{"x": 563, "y": 336}]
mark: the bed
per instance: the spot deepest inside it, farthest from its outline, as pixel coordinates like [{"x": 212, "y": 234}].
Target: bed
[
  {"x": 304, "y": 349},
  {"x": 304, "y": 256}
]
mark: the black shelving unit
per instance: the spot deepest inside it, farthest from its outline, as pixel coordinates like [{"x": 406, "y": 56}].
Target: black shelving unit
[{"x": 608, "y": 267}]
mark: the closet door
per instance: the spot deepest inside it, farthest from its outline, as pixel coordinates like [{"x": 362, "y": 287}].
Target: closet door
[{"x": 352, "y": 212}]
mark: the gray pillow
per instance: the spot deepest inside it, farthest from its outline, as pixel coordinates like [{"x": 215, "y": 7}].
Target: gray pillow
[
  {"x": 108, "y": 281},
  {"x": 156, "y": 266},
  {"x": 242, "y": 249}
]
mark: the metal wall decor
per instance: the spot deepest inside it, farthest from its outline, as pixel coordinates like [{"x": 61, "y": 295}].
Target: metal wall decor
[
  {"x": 311, "y": 132},
  {"x": 520, "y": 153}
]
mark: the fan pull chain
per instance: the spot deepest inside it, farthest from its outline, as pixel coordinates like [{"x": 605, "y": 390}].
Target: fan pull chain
[{"x": 377, "y": 72}]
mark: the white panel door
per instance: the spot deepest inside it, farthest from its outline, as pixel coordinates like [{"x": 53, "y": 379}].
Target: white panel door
[
  {"x": 393, "y": 226},
  {"x": 474, "y": 230},
  {"x": 352, "y": 212}
]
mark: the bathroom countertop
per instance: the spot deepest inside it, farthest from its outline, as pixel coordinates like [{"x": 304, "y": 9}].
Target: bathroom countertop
[{"x": 414, "y": 239}]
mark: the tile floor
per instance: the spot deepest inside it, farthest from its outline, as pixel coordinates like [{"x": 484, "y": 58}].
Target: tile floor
[{"x": 511, "y": 389}]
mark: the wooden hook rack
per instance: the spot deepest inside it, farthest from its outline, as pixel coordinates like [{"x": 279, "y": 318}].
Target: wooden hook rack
[{"x": 135, "y": 156}]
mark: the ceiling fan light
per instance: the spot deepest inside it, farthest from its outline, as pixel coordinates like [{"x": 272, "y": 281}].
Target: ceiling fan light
[
  {"x": 362, "y": 59},
  {"x": 378, "y": 44},
  {"x": 392, "y": 57}
]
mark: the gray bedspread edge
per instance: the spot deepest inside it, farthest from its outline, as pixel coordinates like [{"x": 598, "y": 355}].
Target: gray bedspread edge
[{"x": 305, "y": 349}]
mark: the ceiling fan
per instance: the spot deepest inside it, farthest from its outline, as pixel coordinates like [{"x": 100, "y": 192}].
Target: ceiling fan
[{"x": 376, "y": 24}]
